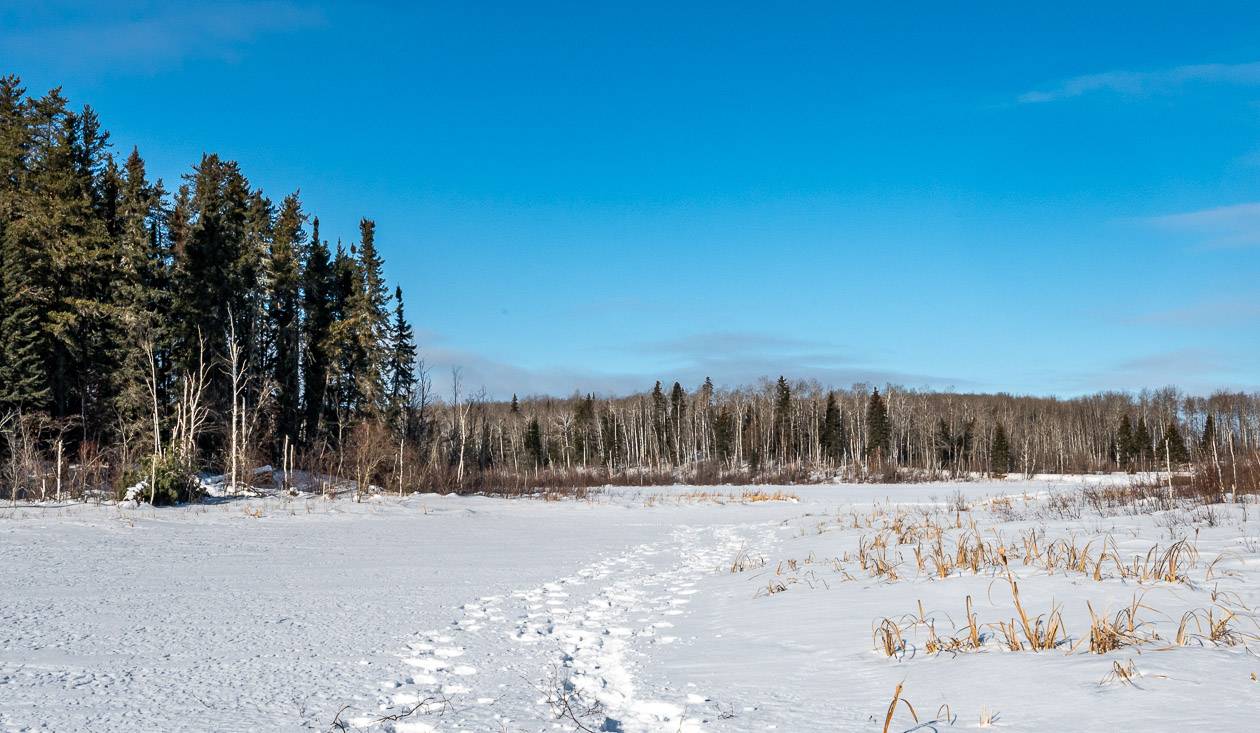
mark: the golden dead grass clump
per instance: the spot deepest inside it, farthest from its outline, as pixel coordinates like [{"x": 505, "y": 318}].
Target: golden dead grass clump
[
  {"x": 1107, "y": 634},
  {"x": 1206, "y": 625},
  {"x": 1042, "y": 632},
  {"x": 749, "y": 496},
  {"x": 888, "y": 639}
]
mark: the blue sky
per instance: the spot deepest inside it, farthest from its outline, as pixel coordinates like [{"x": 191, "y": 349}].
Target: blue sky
[{"x": 588, "y": 196}]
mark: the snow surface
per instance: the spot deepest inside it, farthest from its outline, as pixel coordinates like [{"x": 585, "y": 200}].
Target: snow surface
[{"x": 482, "y": 614}]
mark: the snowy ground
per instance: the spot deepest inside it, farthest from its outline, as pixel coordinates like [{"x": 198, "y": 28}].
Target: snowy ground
[{"x": 641, "y": 610}]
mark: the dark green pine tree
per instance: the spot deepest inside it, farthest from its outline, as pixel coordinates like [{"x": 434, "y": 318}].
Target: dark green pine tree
[
  {"x": 211, "y": 266},
  {"x": 142, "y": 290},
  {"x": 367, "y": 323},
  {"x": 878, "y": 431},
  {"x": 1207, "y": 442},
  {"x": 783, "y": 417},
  {"x": 677, "y": 416},
  {"x": 1142, "y": 441},
  {"x": 999, "y": 452},
  {"x": 1173, "y": 446},
  {"x": 706, "y": 393},
  {"x": 677, "y": 402},
  {"x": 85, "y": 320},
  {"x": 516, "y": 406},
  {"x": 253, "y": 273},
  {"x": 58, "y": 259},
  {"x": 724, "y": 434},
  {"x": 25, "y": 267},
  {"x": 534, "y": 445},
  {"x": 284, "y": 301},
  {"x": 319, "y": 294},
  {"x": 1126, "y": 443},
  {"x": 401, "y": 369},
  {"x": 832, "y": 435},
  {"x": 660, "y": 418},
  {"x": 584, "y": 422},
  {"x": 343, "y": 397}
]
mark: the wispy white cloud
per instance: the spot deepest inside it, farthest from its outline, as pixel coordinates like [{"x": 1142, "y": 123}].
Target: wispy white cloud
[
  {"x": 730, "y": 342},
  {"x": 1219, "y": 312},
  {"x": 1146, "y": 82},
  {"x": 1194, "y": 370},
  {"x": 734, "y": 358},
  {"x": 500, "y": 380},
  {"x": 152, "y": 37},
  {"x": 1221, "y": 227},
  {"x": 729, "y": 358}
]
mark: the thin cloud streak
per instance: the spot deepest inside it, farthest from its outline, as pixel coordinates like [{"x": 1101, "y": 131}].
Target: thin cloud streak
[
  {"x": 1221, "y": 227},
  {"x": 159, "y": 38},
  {"x": 1137, "y": 83},
  {"x": 741, "y": 342},
  {"x": 730, "y": 358},
  {"x": 1192, "y": 370},
  {"x": 1202, "y": 315}
]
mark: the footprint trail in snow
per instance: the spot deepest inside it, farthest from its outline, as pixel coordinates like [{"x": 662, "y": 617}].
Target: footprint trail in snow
[{"x": 503, "y": 663}]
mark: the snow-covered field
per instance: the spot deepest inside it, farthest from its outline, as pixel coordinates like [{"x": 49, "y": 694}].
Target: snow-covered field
[{"x": 640, "y": 610}]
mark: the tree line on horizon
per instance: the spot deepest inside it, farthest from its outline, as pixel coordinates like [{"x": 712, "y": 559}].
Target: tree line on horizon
[
  {"x": 149, "y": 335},
  {"x": 782, "y": 431}
]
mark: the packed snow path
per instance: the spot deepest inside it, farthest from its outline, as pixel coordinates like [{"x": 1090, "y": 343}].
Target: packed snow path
[{"x": 566, "y": 649}]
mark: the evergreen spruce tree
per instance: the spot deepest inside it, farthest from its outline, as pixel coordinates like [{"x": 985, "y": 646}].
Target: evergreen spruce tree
[
  {"x": 401, "y": 366},
  {"x": 1173, "y": 446},
  {"x": 1126, "y": 443},
  {"x": 25, "y": 268},
  {"x": 999, "y": 452},
  {"x": 584, "y": 423},
  {"x": 783, "y": 417},
  {"x": 284, "y": 281},
  {"x": 1142, "y": 441},
  {"x": 1207, "y": 442},
  {"x": 367, "y": 323},
  {"x": 534, "y": 446},
  {"x": 724, "y": 434},
  {"x": 84, "y": 322},
  {"x": 254, "y": 275},
  {"x": 343, "y": 395},
  {"x": 706, "y": 393},
  {"x": 319, "y": 286},
  {"x": 878, "y": 431},
  {"x": 56, "y": 329},
  {"x": 142, "y": 291},
  {"x": 660, "y": 413},
  {"x": 832, "y": 433},
  {"x": 214, "y": 277},
  {"x": 677, "y": 414}
]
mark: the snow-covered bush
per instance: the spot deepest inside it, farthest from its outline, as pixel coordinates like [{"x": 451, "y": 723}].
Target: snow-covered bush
[{"x": 173, "y": 482}]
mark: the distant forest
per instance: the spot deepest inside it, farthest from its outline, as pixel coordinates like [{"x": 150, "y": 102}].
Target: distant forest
[{"x": 148, "y": 335}]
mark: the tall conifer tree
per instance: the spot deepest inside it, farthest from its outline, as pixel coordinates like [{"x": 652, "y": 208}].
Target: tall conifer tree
[
  {"x": 283, "y": 319},
  {"x": 878, "y": 431}
]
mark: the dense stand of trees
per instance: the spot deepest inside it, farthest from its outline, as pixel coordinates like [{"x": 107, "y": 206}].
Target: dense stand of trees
[
  {"x": 802, "y": 431},
  {"x": 155, "y": 333},
  {"x": 146, "y": 335}
]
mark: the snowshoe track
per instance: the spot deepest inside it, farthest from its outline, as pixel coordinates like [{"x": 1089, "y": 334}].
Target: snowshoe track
[{"x": 505, "y": 661}]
